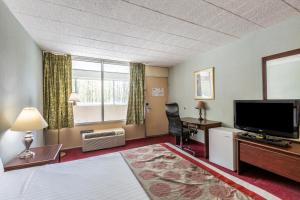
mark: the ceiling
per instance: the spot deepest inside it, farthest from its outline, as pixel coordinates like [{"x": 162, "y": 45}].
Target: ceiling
[{"x": 155, "y": 32}]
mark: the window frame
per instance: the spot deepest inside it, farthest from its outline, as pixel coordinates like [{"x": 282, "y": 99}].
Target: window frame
[{"x": 102, "y": 62}]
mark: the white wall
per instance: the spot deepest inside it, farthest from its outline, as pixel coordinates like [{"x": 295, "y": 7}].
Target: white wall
[
  {"x": 20, "y": 81},
  {"x": 238, "y": 70}
]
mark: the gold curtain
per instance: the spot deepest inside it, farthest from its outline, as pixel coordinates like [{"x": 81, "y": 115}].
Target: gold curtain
[
  {"x": 57, "y": 86},
  {"x": 136, "y": 101}
]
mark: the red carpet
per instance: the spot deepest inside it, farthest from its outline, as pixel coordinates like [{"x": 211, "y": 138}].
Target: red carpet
[{"x": 279, "y": 186}]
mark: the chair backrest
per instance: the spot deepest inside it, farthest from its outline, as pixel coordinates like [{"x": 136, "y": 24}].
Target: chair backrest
[{"x": 175, "y": 124}]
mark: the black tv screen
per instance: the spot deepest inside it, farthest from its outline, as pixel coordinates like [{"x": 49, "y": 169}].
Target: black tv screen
[{"x": 278, "y": 118}]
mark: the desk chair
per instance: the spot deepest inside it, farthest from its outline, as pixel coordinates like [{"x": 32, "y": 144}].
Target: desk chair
[{"x": 176, "y": 128}]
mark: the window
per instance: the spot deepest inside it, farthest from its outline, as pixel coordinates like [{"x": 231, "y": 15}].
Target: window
[{"x": 89, "y": 79}]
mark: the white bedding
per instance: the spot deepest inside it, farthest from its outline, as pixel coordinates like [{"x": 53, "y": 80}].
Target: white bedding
[{"x": 103, "y": 177}]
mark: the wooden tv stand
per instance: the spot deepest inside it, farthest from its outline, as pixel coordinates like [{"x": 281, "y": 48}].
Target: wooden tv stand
[{"x": 284, "y": 161}]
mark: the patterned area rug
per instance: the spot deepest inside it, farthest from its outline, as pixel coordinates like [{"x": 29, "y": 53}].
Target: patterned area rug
[{"x": 164, "y": 174}]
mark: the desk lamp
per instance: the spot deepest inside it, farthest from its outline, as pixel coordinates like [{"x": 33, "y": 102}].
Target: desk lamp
[{"x": 200, "y": 105}]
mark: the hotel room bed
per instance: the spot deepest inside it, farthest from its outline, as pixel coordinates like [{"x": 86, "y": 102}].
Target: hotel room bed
[
  {"x": 150, "y": 172},
  {"x": 95, "y": 178}
]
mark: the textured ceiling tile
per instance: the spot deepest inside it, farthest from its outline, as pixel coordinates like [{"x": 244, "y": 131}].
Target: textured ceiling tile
[
  {"x": 73, "y": 49},
  {"x": 139, "y": 16},
  {"x": 87, "y": 51},
  {"x": 99, "y": 45},
  {"x": 85, "y": 19},
  {"x": 98, "y": 36},
  {"x": 294, "y": 3},
  {"x": 202, "y": 14},
  {"x": 158, "y": 32},
  {"x": 263, "y": 12}
]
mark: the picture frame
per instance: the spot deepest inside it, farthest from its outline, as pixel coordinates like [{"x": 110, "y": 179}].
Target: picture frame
[{"x": 204, "y": 84}]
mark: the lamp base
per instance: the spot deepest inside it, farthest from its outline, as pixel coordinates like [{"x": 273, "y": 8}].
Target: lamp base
[
  {"x": 200, "y": 119},
  {"x": 27, "y": 154},
  {"x": 28, "y": 139},
  {"x": 200, "y": 115}
]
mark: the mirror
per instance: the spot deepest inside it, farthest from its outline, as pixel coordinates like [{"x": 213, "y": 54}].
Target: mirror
[{"x": 281, "y": 75}]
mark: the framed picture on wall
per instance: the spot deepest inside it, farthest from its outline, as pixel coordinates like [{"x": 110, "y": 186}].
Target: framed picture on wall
[{"x": 204, "y": 84}]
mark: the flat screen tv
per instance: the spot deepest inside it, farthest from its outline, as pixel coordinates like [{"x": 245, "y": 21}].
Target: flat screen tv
[{"x": 269, "y": 117}]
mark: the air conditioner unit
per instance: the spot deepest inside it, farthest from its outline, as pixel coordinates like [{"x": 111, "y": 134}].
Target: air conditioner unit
[{"x": 102, "y": 139}]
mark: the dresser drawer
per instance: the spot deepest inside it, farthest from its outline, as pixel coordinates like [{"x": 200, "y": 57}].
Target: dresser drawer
[{"x": 279, "y": 163}]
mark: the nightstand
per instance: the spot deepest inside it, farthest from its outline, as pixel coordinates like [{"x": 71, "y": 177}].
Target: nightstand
[{"x": 43, "y": 155}]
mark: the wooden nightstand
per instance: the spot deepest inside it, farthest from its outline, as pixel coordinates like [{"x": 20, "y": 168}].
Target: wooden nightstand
[{"x": 43, "y": 155}]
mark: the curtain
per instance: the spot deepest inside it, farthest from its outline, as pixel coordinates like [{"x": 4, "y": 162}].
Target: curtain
[
  {"x": 57, "y": 86},
  {"x": 136, "y": 99}
]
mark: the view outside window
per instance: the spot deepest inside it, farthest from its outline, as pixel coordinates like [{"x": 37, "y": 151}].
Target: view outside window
[
  {"x": 87, "y": 83},
  {"x": 89, "y": 91},
  {"x": 121, "y": 92},
  {"x": 115, "y": 91}
]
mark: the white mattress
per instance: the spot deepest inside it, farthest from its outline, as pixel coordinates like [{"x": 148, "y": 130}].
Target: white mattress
[
  {"x": 103, "y": 177},
  {"x": 106, "y": 177}
]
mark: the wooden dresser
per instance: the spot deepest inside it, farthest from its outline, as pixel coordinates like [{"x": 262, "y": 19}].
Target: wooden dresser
[{"x": 284, "y": 161}]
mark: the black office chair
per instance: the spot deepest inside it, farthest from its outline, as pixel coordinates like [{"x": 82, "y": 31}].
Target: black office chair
[{"x": 176, "y": 127}]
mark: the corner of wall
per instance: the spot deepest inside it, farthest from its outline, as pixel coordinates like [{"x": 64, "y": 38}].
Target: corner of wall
[{"x": 20, "y": 80}]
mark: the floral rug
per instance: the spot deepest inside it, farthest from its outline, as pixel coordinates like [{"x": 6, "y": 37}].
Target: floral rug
[{"x": 165, "y": 175}]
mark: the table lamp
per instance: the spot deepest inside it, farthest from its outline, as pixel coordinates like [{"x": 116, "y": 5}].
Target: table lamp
[
  {"x": 200, "y": 105},
  {"x": 29, "y": 120},
  {"x": 74, "y": 98}
]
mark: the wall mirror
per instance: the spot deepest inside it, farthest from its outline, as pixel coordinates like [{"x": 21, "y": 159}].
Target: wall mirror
[
  {"x": 281, "y": 75},
  {"x": 204, "y": 84}
]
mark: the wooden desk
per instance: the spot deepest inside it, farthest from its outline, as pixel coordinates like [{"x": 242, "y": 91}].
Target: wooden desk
[
  {"x": 43, "y": 155},
  {"x": 202, "y": 125},
  {"x": 284, "y": 161}
]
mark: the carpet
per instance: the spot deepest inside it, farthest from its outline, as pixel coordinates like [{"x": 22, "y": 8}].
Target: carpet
[{"x": 277, "y": 185}]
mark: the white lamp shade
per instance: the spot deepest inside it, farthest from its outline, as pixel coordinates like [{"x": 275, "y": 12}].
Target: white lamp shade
[
  {"x": 74, "y": 97},
  {"x": 29, "y": 119}
]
